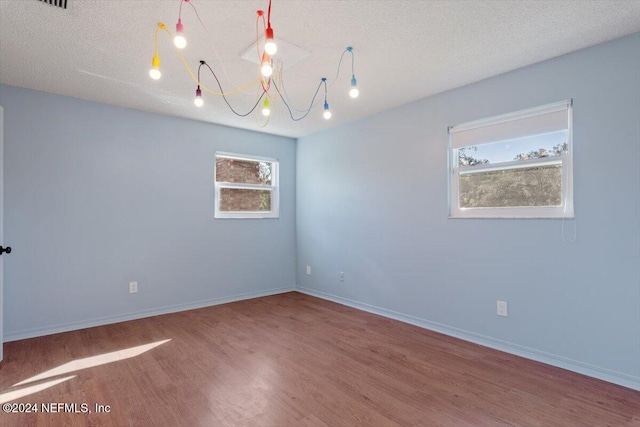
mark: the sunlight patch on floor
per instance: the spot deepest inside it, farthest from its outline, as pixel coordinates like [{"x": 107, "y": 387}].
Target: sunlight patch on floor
[
  {"x": 17, "y": 394},
  {"x": 90, "y": 362}
]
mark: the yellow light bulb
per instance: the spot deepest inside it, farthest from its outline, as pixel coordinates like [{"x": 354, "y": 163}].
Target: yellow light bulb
[
  {"x": 266, "y": 111},
  {"x": 154, "y": 72}
]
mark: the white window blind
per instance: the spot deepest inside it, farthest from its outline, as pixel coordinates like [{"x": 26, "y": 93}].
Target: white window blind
[{"x": 534, "y": 121}]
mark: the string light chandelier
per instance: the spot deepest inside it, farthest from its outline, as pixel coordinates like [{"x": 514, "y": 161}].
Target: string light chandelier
[{"x": 269, "y": 85}]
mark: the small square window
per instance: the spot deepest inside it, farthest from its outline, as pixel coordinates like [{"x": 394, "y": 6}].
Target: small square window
[
  {"x": 517, "y": 165},
  {"x": 246, "y": 186}
]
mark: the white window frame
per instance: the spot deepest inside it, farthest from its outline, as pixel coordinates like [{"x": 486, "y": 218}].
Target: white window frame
[
  {"x": 274, "y": 188},
  {"x": 565, "y": 210}
]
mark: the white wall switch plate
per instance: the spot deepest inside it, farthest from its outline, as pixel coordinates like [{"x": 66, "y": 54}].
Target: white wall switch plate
[
  {"x": 133, "y": 287},
  {"x": 342, "y": 276},
  {"x": 308, "y": 270}
]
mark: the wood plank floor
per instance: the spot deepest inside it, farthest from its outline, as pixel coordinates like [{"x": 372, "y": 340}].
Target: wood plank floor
[{"x": 293, "y": 360}]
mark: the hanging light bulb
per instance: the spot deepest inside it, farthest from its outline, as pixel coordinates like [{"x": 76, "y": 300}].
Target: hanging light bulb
[
  {"x": 154, "y": 72},
  {"x": 270, "y": 46},
  {"x": 266, "y": 69},
  {"x": 266, "y": 111},
  {"x": 179, "y": 39},
  {"x": 327, "y": 112},
  {"x": 198, "y": 99},
  {"x": 354, "y": 92}
]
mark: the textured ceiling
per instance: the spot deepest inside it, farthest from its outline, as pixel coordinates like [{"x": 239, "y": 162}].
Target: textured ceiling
[{"x": 405, "y": 50}]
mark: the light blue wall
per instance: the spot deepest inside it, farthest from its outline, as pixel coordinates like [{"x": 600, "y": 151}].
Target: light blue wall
[
  {"x": 372, "y": 202},
  {"x": 97, "y": 196}
]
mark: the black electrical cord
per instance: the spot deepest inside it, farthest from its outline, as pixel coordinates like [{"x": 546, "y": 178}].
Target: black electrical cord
[{"x": 222, "y": 91}]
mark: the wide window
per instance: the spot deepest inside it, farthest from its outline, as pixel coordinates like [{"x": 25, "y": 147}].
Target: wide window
[
  {"x": 517, "y": 165},
  {"x": 246, "y": 186}
]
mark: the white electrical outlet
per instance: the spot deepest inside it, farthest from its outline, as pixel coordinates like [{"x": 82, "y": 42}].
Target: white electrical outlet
[
  {"x": 342, "y": 276},
  {"x": 308, "y": 270},
  {"x": 133, "y": 287},
  {"x": 502, "y": 308}
]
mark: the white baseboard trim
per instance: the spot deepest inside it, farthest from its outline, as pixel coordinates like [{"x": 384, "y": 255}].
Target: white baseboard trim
[
  {"x": 487, "y": 341},
  {"x": 100, "y": 321}
]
